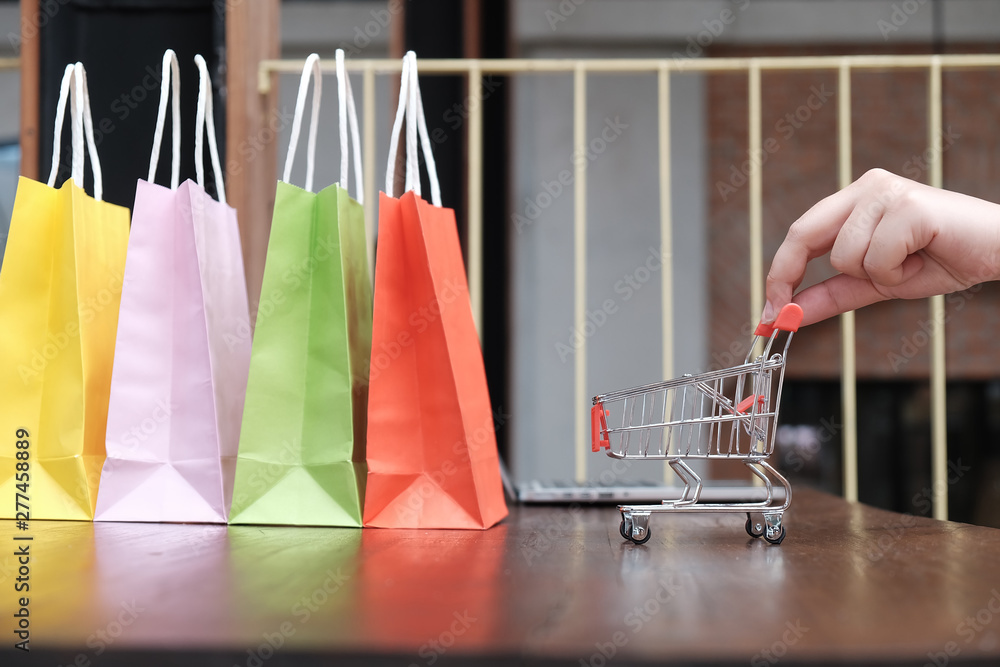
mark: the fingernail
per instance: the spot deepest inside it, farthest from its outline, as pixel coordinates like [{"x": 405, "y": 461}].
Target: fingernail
[{"x": 769, "y": 313}]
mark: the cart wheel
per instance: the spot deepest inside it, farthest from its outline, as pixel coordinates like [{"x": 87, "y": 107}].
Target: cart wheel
[
  {"x": 644, "y": 539},
  {"x": 754, "y": 530},
  {"x": 625, "y": 529},
  {"x": 778, "y": 539}
]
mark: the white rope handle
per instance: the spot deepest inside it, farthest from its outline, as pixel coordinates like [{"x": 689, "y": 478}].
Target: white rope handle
[
  {"x": 170, "y": 67},
  {"x": 64, "y": 93},
  {"x": 425, "y": 139},
  {"x": 206, "y": 118},
  {"x": 397, "y": 125},
  {"x": 412, "y": 181},
  {"x": 88, "y": 126},
  {"x": 311, "y": 69},
  {"x": 74, "y": 86},
  {"x": 345, "y": 101},
  {"x": 411, "y": 106}
]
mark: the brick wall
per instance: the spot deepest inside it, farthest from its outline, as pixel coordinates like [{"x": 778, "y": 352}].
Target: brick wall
[{"x": 889, "y": 120}]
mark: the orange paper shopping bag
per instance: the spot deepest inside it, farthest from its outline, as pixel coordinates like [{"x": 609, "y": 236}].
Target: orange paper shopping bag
[{"x": 432, "y": 453}]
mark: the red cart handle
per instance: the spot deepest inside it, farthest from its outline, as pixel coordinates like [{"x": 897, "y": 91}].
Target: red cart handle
[
  {"x": 788, "y": 319},
  {"x": 747, "y": 404},
  {"x": 599, "y": 428}
]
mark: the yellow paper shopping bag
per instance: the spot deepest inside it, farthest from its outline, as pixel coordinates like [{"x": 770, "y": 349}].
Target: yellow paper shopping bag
[{"x": 60, "y": 288}]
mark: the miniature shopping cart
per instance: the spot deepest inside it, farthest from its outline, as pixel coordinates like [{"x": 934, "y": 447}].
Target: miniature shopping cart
[{"x": 728, "y": 414}]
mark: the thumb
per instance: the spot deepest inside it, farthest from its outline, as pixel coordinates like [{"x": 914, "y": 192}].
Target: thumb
[{"x": 836, "y": 295}]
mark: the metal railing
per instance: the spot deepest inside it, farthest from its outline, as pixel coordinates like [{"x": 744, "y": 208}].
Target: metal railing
[{"x": 474, "y": 70}]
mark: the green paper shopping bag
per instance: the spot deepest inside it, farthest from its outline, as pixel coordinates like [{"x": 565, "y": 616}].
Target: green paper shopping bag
[{"x": 302, "y": 455}]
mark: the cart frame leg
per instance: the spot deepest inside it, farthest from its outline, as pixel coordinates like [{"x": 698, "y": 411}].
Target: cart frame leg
[
  {"x": 687, "y": 475},
  {"x": 752, "y": 465}
]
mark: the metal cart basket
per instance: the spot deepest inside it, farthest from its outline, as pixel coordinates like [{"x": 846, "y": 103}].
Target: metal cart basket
[{"x": 728, "y": 414}]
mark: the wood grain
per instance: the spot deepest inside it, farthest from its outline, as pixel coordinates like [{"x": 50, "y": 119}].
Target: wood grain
[
  {"x": 549, "y": 585},
  {"x": 252, "y": 127}
]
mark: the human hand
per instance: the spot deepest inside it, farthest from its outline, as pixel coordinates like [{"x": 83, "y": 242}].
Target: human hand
[{"x": 889, "y": 237}]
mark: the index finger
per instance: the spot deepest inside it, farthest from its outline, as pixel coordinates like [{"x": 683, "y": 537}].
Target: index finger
[{"x": 809, "y": 237}]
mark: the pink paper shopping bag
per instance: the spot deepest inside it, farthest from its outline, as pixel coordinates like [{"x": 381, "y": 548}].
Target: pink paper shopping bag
[{"x": 183, "y": 348}]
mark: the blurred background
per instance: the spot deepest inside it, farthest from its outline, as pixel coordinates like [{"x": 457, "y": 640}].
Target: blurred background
[{"x": 527, "y": 328}]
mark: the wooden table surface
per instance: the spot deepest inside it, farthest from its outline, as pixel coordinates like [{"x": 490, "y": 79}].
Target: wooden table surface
[{"x": 554, "y": 585}]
